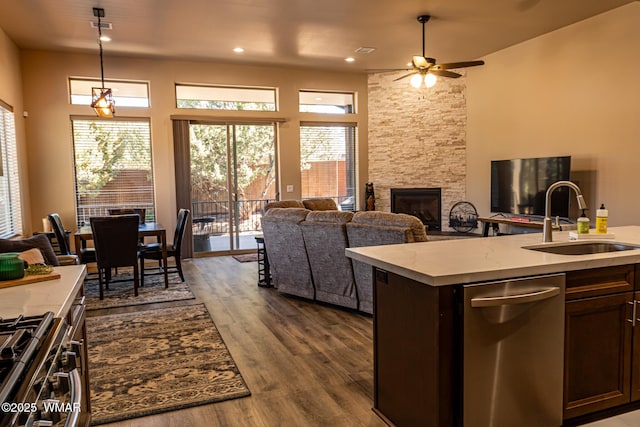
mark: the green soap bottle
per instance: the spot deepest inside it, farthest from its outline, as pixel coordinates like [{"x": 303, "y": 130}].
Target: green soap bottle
[{"x": 583, "y": 223}]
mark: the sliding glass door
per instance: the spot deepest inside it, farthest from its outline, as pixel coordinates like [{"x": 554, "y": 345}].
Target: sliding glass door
[{"x": 232, "y": 178}]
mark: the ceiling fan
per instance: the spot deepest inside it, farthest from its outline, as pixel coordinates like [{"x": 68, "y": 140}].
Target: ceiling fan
[{"x": 426, "y": 69}]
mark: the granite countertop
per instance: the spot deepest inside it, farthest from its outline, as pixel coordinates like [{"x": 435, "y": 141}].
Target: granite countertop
[
  {"x": 446, "y": 262},
  {"x": 37, "y": 298}
]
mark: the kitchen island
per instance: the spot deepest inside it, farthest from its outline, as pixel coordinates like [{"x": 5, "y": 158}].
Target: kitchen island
[{"x": 419, "y": 324}]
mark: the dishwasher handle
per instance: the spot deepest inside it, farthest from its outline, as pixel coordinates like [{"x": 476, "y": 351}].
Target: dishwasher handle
[{"x": 515, "y": 299}]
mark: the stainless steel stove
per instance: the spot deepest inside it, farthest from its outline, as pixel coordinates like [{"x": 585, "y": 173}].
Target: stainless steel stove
[{"x": 40, "y": 382}]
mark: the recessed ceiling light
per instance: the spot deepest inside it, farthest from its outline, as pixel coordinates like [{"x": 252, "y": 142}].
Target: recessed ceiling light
[
  {"x": 349, "y": 59},
  {"x": 238, "y": 49}
]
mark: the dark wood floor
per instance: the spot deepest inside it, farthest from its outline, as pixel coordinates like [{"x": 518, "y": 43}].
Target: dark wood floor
[{"x": 306, "y": 364}]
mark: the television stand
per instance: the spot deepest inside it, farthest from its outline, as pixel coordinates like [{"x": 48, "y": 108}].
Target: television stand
[{"x": 524, "y": 222}]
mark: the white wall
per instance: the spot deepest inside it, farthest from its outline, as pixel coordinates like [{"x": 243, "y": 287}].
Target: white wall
[
  {"x": 50, "y": 145},
  {"x": 11, "y": 93},
  {"x": 573, "y": 92}
]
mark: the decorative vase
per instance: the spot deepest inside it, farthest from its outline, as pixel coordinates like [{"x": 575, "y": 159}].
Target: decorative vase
[{"x": 11, "y": 266}]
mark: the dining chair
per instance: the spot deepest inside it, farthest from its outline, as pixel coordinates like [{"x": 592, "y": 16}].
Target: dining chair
[
  {"x": 116, "y": 241},
  {"x": 63, "y": 243},
  {"x": 141, "y": 212},
  {"x": 154, "y": 250}
]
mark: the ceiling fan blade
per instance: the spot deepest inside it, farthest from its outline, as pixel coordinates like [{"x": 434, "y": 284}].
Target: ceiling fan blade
[
  {"x": 405, "y": 76},
  {"x": 386, "y": 70},
  {"x": 444, "y": 73},
  {"x": 457, "y": 65}
]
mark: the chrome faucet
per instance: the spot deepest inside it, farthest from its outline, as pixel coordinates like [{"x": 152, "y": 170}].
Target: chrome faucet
[{"x": 548, "y": 227}]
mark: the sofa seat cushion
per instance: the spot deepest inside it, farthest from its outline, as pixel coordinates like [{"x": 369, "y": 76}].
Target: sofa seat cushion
[{"x": 418, "y": 232}]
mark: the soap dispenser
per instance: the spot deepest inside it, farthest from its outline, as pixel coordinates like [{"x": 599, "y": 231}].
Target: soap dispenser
[
  {"x": 583, "y": 223},
  {"x": 602, "y": 220}
]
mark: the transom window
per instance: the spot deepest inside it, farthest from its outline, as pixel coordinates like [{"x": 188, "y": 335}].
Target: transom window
[
  {"x": 326, "y": 102},
  {"x": 10, "y": 205},
  {"x": 113, "y": 167},
  {"x": 125, "y": 94},
  {"x": 225, "y": 98}
]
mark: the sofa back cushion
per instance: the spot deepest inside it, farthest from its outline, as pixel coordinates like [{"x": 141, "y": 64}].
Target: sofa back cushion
[
  {"x": 320, "y": 204},
  {"x": 39, "y": 241},
  {"x": 335, "y": 217},
  {"x": 286, "y": 251},
  {"x": 418, "y": 232},
  {"x": 284, "y": 204}
]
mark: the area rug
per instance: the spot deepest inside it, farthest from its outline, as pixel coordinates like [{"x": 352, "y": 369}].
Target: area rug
[
  {"x": 246, "y": 257},
  {"x": 120, "y": 294},
  {"x": 153, "y": 361}
]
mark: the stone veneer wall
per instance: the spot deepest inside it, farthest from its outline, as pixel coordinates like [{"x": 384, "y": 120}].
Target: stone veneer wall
[{"x": 417, "y": 138}]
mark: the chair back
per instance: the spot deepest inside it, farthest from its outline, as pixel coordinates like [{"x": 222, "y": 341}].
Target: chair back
[
  {"x": 183, "y": 217},
  {"x": 141, "y": 212},
  {"x": 116, "y": 240},
  {"x": 61, "y": 236}
]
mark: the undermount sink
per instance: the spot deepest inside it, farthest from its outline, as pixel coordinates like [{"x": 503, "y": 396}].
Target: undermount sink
[{"x": 582, "y": 248}]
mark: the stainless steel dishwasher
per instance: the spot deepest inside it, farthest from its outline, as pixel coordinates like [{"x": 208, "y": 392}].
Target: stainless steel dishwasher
[{"x": 513, "y": 352}]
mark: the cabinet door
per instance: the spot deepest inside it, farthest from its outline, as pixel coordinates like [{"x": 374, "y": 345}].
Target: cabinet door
[
  {"x": 635, "y": 355},
  {"x": 598, "y": 335}
]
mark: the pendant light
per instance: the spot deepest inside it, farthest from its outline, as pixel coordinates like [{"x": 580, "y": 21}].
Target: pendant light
[{"x": 101, "y": 97}]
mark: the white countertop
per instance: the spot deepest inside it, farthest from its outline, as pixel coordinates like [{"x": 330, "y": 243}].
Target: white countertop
[
  {"x": 447, "y": 262},
  {"x": 37, "y": 298}
]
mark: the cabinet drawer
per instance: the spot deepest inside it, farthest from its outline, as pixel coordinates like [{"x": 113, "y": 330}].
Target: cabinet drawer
[{"x": 600, "y": 281}]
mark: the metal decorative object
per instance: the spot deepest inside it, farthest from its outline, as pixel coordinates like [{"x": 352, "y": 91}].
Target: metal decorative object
[{"x": 463, "y": 217}]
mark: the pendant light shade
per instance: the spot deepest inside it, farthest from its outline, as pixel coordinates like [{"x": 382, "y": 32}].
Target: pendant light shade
[{"x": 101, "y": 97}]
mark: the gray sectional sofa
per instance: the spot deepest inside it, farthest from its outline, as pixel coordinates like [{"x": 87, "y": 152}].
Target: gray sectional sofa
[{"x": 306, "y": 250}]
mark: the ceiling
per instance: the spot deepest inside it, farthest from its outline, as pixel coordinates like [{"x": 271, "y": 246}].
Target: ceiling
[{"x": 304, "y": 33}]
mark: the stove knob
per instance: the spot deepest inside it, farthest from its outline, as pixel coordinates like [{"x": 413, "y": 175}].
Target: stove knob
[
  {"x": 69, "y": 362},
  {"x": 60, "y": 381}
]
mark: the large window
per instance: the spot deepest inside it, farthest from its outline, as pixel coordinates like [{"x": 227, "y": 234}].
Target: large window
[
  {"x": 112, "y": 166},
  {"x": 328, "y": 162},
  {"x": 10, "y": 206},
  {"x": 225, "y": 98}
]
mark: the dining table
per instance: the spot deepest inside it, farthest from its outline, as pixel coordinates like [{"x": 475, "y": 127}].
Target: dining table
[{"x": 147, "y": 229}]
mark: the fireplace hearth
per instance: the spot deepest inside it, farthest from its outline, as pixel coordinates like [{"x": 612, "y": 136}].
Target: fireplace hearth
[{"x": 424, "y": 203}]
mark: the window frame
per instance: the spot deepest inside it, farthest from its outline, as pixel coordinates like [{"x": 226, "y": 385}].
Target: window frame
[
  {"x": 232, "y": 91},
  {"x": 117, "y": 86},
  {"x": 10, "y": 183},
  {"x": 100, "y": 211}
]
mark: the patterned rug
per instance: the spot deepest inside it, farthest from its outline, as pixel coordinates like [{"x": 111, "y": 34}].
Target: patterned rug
[
  {"x": 154, "y": 361},
  {"x": 120, "y": 294},
  {"x": 246, "y": 257}
]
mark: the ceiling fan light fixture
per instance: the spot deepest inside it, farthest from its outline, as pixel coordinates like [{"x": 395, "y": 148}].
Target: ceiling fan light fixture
[
  {"x": 430, "y": 80},
  {"x": 416, "y": 81}
]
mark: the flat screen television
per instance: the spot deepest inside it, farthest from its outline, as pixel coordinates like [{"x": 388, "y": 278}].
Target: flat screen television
[{"x": 519, "y": 186}]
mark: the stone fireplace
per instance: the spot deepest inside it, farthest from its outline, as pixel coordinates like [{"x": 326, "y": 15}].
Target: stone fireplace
[{"x": 424, "y": 203}]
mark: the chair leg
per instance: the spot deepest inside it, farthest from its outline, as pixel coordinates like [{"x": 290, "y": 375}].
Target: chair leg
[
  {"x": 141, "y": 271},
  {"x": 100, "y": 283},
  {"x": 179, "y": 267},
  {"x": 135, "y": 279}
]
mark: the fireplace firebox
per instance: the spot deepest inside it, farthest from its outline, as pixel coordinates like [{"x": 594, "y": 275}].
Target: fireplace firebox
[{"x": 424, "y": 203}]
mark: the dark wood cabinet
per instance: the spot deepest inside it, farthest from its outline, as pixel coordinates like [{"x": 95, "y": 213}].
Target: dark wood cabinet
[
  {"x": 602, "y": 341},
  {"x": 415, "y": 355}
]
